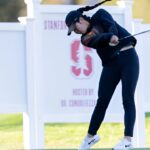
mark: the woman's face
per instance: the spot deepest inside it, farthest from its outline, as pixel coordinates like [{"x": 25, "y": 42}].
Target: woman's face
[{"x": 81, "y": 26}]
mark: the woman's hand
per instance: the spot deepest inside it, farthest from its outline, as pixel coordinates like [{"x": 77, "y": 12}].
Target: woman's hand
[{"x": 114, "y": 40}]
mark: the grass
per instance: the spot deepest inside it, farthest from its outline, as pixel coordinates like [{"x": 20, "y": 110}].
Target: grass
[
  {"x": 60, "y": 135},
  {"x": 75, "y": 134},
  {"x": 11, "y": 136}
]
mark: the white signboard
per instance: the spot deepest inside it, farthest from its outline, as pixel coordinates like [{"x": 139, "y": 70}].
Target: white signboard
[
  {"x": 70, "y": 73},
  {"x": 12, "y": 68}
]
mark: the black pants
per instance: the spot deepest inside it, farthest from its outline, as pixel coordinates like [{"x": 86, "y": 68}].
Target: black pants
[{"x": 124, "y": 67}]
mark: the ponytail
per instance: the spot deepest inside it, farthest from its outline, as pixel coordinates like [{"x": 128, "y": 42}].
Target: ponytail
[{"x": 87, "y": 8}]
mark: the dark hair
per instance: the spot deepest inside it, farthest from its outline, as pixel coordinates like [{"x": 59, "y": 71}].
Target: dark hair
[
  {"x": 87, "y": 8},
  {"x": 87, "y": 18}
]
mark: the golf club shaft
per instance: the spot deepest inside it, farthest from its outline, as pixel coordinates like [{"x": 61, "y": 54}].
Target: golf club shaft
[{"x": 134, "y": 35}]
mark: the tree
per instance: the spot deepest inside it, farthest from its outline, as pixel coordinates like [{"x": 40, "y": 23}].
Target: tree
[{"x": 10, "y": 10}]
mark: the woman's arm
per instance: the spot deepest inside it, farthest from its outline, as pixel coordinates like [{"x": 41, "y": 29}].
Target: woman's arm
[
  {"x": 95, "y": 39},
  {"x": 107, "y": 21}
]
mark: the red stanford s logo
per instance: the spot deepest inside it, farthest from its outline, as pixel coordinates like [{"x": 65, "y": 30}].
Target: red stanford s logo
[{"x": 82, "y": 66}]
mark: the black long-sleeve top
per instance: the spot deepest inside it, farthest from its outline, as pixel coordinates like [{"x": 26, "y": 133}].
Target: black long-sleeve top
[{"x": 102, "y": 28}]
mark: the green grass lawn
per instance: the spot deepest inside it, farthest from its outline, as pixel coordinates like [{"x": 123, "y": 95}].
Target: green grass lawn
[{"x": 61, "y": 135}]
